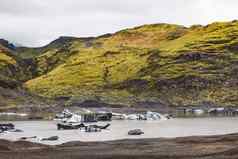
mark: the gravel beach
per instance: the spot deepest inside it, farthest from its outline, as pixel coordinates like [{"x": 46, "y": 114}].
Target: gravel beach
[{"x": 208, "y": 147}]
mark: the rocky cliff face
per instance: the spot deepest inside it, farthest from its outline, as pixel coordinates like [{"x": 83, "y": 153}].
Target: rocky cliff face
[{"x": 160, "y": 63}]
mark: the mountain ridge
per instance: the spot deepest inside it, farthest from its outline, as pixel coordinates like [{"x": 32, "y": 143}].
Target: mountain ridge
[{"x": 160, "y": 63}]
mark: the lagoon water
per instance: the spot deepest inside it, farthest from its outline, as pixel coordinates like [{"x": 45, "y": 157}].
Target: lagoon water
[{"x": 119, "y": 129}]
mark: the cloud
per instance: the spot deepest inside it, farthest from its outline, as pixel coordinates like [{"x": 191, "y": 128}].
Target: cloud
[{"x": 37, "y": 22}]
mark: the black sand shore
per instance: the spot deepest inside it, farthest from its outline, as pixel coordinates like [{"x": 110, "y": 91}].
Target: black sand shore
[{"x": 209, "y": 147}]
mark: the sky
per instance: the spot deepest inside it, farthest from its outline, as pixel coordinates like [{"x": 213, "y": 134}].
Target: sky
[{"x": 37, "y": 22}]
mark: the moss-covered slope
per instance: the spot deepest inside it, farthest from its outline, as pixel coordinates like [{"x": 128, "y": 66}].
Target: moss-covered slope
[
  {"x": 13, "y": 73},
  {"x": 158, "y": 63}
]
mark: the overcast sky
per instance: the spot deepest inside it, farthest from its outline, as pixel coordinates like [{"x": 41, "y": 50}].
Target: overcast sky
[{"x": 37, "y": 22}]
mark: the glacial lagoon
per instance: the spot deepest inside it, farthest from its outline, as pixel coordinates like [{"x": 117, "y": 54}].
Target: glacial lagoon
[{"x": 118, "y": 130}]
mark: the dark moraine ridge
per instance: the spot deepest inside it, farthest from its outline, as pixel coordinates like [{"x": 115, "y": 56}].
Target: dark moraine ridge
[{"x": 208, "y": 147}]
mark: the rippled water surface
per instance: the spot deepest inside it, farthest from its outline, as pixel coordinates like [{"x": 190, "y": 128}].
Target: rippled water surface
[{"x": 119, "y": 129}]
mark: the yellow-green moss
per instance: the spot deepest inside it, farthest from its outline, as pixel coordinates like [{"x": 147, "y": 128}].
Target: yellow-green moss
[{"x": 149, "y": 53}]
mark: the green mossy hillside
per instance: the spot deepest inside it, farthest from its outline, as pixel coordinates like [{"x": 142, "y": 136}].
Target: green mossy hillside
[
  {"x": 14, "y": 71},
  {"x": 164, "y": 63}
]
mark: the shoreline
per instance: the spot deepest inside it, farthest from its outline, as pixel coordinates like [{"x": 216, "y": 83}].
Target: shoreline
[
  {"x": 205, "y": 147},
  {"x": 178, "y": 112}
]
